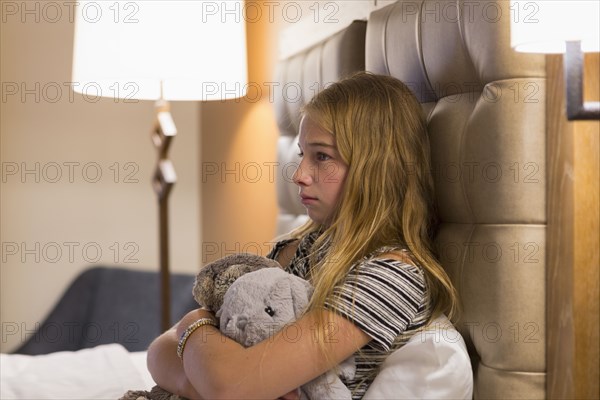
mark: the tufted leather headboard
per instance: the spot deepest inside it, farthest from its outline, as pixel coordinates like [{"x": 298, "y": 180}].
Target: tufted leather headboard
[
  {"x": 486, "y": 120},
  {"x": 485, "y": 106}
]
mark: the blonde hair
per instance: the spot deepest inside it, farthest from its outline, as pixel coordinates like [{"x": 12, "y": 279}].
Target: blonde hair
[{"x": 388, "y": 196}]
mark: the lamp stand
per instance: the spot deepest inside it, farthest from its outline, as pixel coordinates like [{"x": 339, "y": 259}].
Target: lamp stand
[
  {"x": 164, "y": 178},
  {"x": 573, "y": 69}
]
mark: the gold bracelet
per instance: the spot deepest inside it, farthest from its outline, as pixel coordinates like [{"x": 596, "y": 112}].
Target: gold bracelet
[{"x": 189, "y": 330}]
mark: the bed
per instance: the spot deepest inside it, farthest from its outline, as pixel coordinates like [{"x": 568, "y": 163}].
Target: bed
[{"x": 485, "y": 107}]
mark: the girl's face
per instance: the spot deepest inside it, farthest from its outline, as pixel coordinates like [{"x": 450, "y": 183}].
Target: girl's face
[{"x": 321, "y": 173}]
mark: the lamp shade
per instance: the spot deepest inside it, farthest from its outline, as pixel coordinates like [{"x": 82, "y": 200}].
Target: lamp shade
[
  {"x": 544, "y": 26},
  {"x": 188, "y": 50}
]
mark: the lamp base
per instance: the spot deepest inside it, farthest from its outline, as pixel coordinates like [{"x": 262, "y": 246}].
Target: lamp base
[{"x": 164, "y": 178}]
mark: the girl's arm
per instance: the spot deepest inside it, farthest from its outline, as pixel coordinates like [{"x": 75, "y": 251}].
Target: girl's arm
[
  {"x": 219, "y": 368},
  {"x": 164, "y": 365}
]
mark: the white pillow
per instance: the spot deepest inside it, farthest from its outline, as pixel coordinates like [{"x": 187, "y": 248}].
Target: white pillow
[{"x": 434, "y": 364}]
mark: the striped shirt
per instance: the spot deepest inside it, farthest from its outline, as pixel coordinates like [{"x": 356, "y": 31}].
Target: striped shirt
[{"x": 385, "y": 298}]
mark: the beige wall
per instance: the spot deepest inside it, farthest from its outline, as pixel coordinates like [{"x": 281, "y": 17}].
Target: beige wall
[
  {"x": 238, "y": 154},
  {"x": 62, "y": 132}
]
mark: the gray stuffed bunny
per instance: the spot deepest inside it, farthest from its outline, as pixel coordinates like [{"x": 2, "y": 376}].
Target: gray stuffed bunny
[
  {"x": 260, "y": 303},
  {"x": 253, "y": 299}
]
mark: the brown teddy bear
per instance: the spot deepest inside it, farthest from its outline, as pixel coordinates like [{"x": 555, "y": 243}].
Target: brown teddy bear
[{"x": 215, "y": 278}]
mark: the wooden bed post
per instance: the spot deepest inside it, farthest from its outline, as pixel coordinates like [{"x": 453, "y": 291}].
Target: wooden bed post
[{"x": 573, "y": 241}]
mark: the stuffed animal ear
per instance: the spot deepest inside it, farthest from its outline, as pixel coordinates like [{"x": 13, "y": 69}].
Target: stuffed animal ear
[
  {"x": 203, "y": 288},
  {"x": 301, "y": 291}
]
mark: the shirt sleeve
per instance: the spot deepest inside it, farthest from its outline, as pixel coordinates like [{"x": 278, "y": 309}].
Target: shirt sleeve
[
  {"x": 381, "y": 297},
  {"x": 274, "y": 253}
]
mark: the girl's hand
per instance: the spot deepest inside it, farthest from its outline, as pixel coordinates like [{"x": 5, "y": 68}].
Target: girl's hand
[{"x": 166, "y": 368}]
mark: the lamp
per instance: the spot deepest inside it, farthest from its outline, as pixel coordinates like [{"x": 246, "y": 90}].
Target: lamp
[
  {"x": 553, "y": 26},
  {"x": 163, "y": 51}
]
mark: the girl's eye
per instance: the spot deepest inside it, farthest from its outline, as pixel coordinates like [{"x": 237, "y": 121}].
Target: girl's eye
[
  {"x": 270, "y": 311},
  {"x": 300, "y": 154},
  {"x": 322, "y": 157}
]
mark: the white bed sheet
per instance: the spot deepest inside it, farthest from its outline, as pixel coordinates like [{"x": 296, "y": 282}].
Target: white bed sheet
[{"x": 102, "y": 372}]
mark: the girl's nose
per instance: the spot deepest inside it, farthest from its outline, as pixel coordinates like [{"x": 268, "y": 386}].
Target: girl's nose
[{"x": 302, "y": 175}]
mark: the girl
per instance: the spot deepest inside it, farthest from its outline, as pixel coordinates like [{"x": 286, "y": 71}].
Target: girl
[{"x": 364, "y": 179}]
